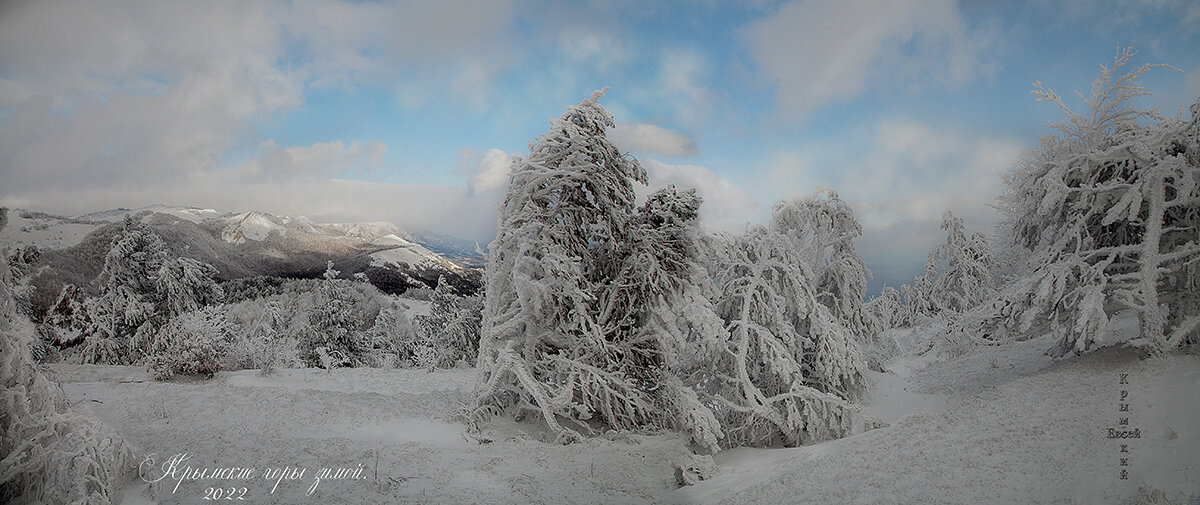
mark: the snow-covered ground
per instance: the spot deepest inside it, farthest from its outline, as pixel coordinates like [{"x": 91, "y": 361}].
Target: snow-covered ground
[
  {"x": 999, "y": 425},
  {"x": 44, "y": 231}
]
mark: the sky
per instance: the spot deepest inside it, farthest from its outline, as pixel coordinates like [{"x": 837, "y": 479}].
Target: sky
[{"x": 411, "y": 112}]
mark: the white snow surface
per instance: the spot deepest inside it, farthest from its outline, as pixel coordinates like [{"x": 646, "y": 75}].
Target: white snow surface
[
  {"x": 403, "y": 251},
  {"x": 1002, "y": 424},
  {"x": 1014, "y": 427},
  {"x": 393, "y": 422},
  {"x": 45, "y": 232}
]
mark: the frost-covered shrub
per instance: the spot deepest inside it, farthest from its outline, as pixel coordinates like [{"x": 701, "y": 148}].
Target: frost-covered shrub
[
  {"x": 67, "y": 319},
  {"x": 258, "y": 337},
  {"x": 1108, "y": 211},
  {"x": 888, "y": 308},
  {"x": 49, "y": 452},
  {"x": 193, "y": 344}
]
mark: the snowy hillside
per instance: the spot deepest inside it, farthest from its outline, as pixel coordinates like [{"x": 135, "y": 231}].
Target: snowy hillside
[
  {"x": 983, "y": 428},
  {"x": 242, "y": 245},
  {"x": 44, "y": 231}
]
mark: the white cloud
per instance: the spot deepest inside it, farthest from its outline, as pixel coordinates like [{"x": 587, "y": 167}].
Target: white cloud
[
  {"x": 141, "y": 91},
  {"x": 725, "y": 207},
  {"x": 323, "y": 159},
  {"x": 822, "y": 53},
  {"x": 643, "y": 138},
  {"x": 487, "y": 172},
  {"x": 899, "y": 178},
  {"x": 680, "y": 82}
]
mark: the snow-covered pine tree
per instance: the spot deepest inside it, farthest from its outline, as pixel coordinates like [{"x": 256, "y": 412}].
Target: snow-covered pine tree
[
  {"x": 142, "y": 288},
  {"x": 822, "y": 228},
  {"x": 544, "y": 348},
  {"x": 1110, "y": 209},
  {"x": 127, "y": 296},
  {"x": 333, "y": 326},
  {"x": 790, "y": 371}
]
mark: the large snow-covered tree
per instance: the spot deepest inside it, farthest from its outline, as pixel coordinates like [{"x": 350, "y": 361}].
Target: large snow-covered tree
[
  {"x": 1109, "y": 206},
  {"x": 545, "y": 346},
  {"x": 661, "y": 297},
  {"x": 789, "y": 371}
]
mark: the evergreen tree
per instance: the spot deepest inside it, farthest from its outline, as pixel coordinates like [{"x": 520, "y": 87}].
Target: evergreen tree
[
  {"x": 142, "y": 288},
  {"x": 332, "y": 326},
  {"x": 452, "y": 327},
  {"x": 566, "y": 216}
]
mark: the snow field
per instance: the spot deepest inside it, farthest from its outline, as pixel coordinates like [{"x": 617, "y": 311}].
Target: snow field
[{"x": 1015, "y": 434}]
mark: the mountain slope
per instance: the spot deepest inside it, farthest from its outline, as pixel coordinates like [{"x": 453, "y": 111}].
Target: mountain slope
[{"x": 239, "y": 245}]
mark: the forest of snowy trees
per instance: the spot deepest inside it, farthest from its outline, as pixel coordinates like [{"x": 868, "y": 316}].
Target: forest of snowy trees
[{"x": 601, "y": 313}]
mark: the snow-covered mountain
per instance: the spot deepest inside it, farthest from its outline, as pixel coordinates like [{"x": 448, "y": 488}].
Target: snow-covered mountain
[{"x": 246, "y": 244}]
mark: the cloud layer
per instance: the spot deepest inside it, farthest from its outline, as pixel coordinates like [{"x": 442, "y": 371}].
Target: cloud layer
[{"x": 819, "y": 54}]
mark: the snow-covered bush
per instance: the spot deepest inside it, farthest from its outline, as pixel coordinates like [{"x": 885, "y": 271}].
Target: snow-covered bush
[
  {"x": 49, "y": 453},
  {"x": 394, "y": 340},
  {"x": 1109, "y": 209},
  {"x": 888, "y": 308},
  {"x": 258, "y": 337},
  {"x": 193, "y": 344},
  {"x": 790, "y": 371},
  {"x": 67, "y": 319}
]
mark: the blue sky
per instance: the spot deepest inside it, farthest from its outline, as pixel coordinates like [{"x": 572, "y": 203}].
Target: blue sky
[{"x": 410, "y": 111}]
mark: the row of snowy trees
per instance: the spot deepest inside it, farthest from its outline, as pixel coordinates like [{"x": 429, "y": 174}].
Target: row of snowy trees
[{"x": 603, "y": 314}]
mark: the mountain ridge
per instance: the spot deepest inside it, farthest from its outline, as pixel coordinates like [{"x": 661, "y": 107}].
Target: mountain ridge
[{"x": 240, "y": 245}]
